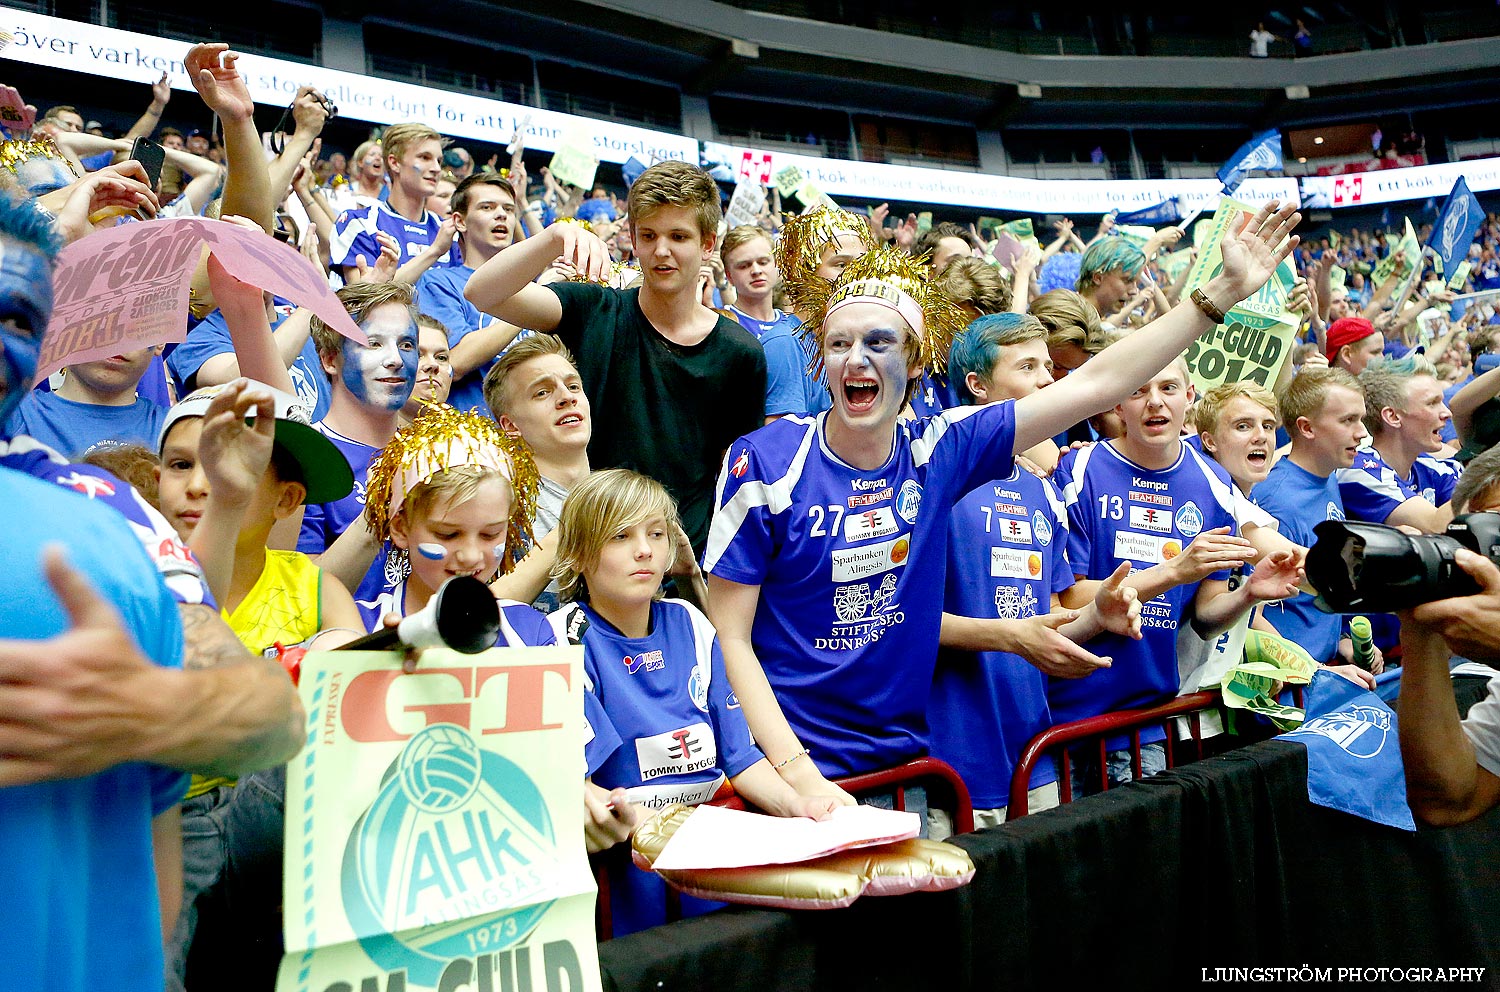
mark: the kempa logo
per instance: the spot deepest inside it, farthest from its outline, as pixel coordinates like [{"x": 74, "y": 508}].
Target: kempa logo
[{"x": 866, "y": 485}]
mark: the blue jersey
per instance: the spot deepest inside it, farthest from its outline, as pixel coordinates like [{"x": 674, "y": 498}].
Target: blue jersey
[
  {"x": 440, "y": 295},
  {"x": 78, "y": 875},
  {"x": 1300, "y": 501},
  {"x": 667, "y": 697},
  {"x": 210, "y": 338},
  {"x": 73, "y": 428},
  {"x": 354, "y": 234},
  {"x": 1372, "y": 490},
  {"x": 791, "y": 388},
  {"x": 322, "y": 523},
  {"x": 667, "y": 700},
  {"x": 850, "y": 565},
  {"x": 174, "y": 561},
  {"x": 1119, "y": 511},
  {"x": 1007, "y": 545}
]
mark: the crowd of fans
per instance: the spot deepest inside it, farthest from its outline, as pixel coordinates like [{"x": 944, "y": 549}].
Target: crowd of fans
[{"x": 909, "y": 488}]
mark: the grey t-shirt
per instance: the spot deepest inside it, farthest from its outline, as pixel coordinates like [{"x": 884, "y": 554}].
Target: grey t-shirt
[
  {"x": 1483, "y": 727},
  {"x": 549, "y": 501}
]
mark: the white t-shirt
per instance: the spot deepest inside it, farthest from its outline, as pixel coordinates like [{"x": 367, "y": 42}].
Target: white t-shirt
[
  {"x": 1483, "y": 728},
  {"x": 1258, "y": 42}
]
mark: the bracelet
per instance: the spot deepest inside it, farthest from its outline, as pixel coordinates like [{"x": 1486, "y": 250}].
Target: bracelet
[
  {"x": 800, "y": 754},
  {"x": 1209, "y": 307}
]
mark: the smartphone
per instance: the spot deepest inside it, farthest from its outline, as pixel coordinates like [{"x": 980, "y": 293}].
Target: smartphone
[{"x": 151, "y": 155}]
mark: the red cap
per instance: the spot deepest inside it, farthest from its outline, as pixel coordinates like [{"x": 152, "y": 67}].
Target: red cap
[{"x": 1347, "y": 330}]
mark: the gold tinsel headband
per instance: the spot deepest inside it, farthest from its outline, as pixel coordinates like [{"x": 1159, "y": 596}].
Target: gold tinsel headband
[
  {"x": 442, "y": 438},
  {"x": 799, "y": 249},
  {"x": 891, "y": 278},
  {"x": 15, "y": 151}
]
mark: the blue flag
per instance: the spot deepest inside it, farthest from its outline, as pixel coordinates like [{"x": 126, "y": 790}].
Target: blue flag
[
  {"x": 1456, "y": 226},
  {"x": 1261, "y": 152},
  {"x": 1168, "y": 211},
  {"x": 1353, "y": 756},
  {"x": 632, "y": 170}
]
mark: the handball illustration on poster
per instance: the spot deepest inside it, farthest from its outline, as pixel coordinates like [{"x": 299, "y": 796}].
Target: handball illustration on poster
[
  {"x": 1256, "y": 337},
  {"x": 433, "y": 834}
]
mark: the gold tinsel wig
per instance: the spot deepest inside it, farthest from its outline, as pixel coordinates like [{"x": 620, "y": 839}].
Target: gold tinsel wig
[
  {"x": 15, "y": 151},
  {"x": 799, "y": 249},
  {"x": 443, "y": 438},
  {"x": 890, "y": 278}
]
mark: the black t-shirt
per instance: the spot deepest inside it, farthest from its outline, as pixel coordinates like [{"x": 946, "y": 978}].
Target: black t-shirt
[{"x": 659, "y": 408}]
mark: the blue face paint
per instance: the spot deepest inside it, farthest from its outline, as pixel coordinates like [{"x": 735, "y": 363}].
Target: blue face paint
[
  {"x": 383, "y": 374},
  {"x": 41, "y": 175},
  {"x": 432, "y": 552},
  {"x": 25, "y": 308}
]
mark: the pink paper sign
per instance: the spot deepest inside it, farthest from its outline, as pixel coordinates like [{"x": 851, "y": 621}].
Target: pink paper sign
[{"x": 126, "y": 288}]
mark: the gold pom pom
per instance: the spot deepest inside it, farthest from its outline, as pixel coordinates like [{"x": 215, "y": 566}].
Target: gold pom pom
[
  {"x": 443, "y": 438},
  {"x": 799, "y": 249},
  {"x": 942, "y": 319}
]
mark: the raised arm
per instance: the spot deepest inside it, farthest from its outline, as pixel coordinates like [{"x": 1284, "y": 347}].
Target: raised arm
[
  {"x": 161, "y": 93},
  {"x": 1250, "y": 257},
  {"x": 247, "y": 191},
  {"x": 502, "y": 286}
]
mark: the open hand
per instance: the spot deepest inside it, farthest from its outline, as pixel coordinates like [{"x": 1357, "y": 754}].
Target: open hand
[
  {"x": 1212, "y": 551},
  {"x": 1252, "y": 253},
  {"x": 239, "y": 430},
  {"x": 211, "y": 67}
]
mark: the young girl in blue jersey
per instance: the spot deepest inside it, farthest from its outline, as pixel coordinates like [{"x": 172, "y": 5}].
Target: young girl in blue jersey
[
  {"x": 655, "y": 667},
  {"x": 453, "y": 494},
  {"x": 826, "y": 555}
]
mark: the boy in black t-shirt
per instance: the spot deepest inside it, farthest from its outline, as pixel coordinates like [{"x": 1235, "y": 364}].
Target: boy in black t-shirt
[{"x": 672, "y": 383}]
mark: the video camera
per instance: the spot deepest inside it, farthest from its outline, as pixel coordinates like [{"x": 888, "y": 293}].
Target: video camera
[{"x": 1372, "y": 568}]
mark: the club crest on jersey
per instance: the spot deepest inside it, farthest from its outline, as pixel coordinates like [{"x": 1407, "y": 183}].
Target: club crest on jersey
[
  {"x": 698, "y": 688},
  {"x": 909, "y": 501},
  {"x": 1189, "y": 520},
  {"x": 740, "y": 464},
  {"x": 651, "y": 661},
  {"x": 1041, "y": 528},
  {"x": 1334, "y": 513}
]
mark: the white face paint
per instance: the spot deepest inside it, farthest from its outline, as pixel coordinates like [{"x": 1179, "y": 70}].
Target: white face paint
[
  {"x": 864, "y": 354},
  {"x": 383, "y": 373}
]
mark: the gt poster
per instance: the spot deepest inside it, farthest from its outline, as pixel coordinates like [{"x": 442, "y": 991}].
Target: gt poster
[
  {"x": 1257, "y": 335},
  {"x": 433, "y": 834}
]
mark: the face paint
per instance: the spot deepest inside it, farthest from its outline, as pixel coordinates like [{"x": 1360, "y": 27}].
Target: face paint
[
  {"x": 25, "y": 308},
  {"x": 432, "y": 552},
  {"x": 40, "y": 175},
  {"x": 383, "y": 373}
]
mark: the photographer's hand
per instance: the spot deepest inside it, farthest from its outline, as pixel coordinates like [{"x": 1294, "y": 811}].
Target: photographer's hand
[
  {"x": 1444, "y": 782},
  {"x": 1467, "y": 623}
]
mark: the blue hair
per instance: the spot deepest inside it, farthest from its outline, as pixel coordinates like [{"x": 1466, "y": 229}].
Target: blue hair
[
  {"x": 1110, "y": 254},
  {"x": 21, "y": 220},
  {"x": 977, "y": 348}
]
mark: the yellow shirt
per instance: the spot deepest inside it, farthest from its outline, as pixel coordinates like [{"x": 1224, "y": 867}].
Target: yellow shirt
[{"x": 285, "y": 607}]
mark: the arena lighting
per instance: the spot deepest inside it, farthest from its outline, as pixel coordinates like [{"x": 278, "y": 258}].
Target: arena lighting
[
  {"x": 1302, "y": 158},
  {"x": 1318, "y": 140},
  {"x": 744, "y": 49},
  {"x": 1297, "y": 92},
  {"x": 1029, "y": 90}
]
